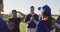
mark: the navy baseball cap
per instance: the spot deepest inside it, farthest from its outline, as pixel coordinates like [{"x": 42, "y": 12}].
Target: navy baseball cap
[{"x": 46, "y": 9}]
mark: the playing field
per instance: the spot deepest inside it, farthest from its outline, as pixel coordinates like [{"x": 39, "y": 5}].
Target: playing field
[{"x": 22, "y": 27}]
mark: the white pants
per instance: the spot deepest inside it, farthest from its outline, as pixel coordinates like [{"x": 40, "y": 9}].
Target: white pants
[{"x": 31, "y": 29}]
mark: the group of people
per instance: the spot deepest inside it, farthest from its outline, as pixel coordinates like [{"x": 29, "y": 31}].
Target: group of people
[{"x": 43, "y": 22}]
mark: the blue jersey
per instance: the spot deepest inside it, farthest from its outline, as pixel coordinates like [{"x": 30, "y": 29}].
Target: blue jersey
[
  {"x": 3, "y": 26},
  {"x": 42, "y": 27},
  {"x": 32, "y": 24},
  {"x": 58, "y": 22}
]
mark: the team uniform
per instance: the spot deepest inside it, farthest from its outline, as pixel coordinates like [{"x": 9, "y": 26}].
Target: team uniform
[
  {"x": 3, "y": 26},
  {"x": 58, "y": 24},
  {"x": 42, "y": 26},
  {"x": 53, "y": 25},
  {"x": 16, "y": 23},
  {"x": 32, "y": 25}
]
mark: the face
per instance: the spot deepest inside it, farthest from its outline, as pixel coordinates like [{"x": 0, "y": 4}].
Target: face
[
  {"x": 14, "y": 15},
  {"x": 32, "y": 10},
  {"x": 40, "y": 14},
  {"x": 45, "y": 17}
]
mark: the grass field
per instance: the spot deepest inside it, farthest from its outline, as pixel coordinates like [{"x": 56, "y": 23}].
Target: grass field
[{"x": 22, "y": 27}]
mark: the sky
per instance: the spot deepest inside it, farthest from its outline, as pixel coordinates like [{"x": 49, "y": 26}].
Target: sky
[{"x": 24, "y": 6}]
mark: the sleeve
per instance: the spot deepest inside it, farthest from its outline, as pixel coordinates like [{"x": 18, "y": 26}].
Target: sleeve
[
  {"x": 27, "y": 19},
  {"x": 3, "y": 26},
  {"x": 42, "y": 27},
  {"x": 57, "y": 25},
  {"x": 9, "y": 19},
  {"x": 19, "y": 19},
  {"x": 58, "y": 20},
  {"x": 37, "y": 18},
  {"x": 39, "y": 28}
]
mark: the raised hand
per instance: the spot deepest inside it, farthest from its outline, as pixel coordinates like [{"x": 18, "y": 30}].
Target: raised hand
[{"x": 23, "y": 15}]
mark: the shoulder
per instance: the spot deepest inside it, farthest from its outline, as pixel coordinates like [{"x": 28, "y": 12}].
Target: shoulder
[
  {"x": 1, "y": 20},
  {"x": 19, "y": 18},
  {"x": 42, "y": 22},
  {"x": 28, "y": 14},
  {"x": 58, "y": 18},
  {"x": 36, "y": 15},
  {"x": 10, "y": 18}
]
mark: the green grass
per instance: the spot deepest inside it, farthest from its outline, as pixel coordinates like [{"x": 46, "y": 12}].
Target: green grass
[
  {"x": 55, "y": 17},
  {"x": 22, "y": 27}
]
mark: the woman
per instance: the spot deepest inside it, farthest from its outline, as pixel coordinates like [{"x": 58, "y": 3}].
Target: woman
[{"x": 45, "y": 23}]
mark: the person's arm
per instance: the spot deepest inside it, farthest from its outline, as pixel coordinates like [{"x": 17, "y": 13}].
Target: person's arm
[
  {"x": 57, "y": 25},
  {"x": 3, "y": 26},
  {"x": 10, "y": 24},
  {"x": 22, "y": 15},
  {"x": 38, "y": 28},
  {"x": 36, "y": 19},
  {"x": 29, "y": 20},
  {"x": 58, "y": 21}
]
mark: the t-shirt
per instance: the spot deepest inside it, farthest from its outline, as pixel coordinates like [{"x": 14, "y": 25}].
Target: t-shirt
[
  {"x": 58, "y": 20},
  {"x": 3, "y": 26},
  {"x": 15, "y": 22},
  {"x": 32, "y": 24},
  {"x": 42, "y": 26}
]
